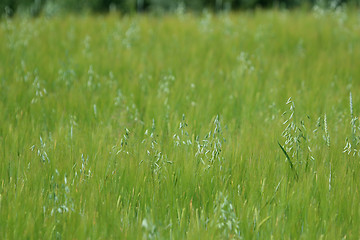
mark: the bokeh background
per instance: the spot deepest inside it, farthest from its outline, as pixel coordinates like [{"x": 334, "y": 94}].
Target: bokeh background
[{"x": 49, "y": 7}]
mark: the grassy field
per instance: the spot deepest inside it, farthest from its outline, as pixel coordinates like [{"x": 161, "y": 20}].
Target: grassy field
[{"x": 229, "y": 126}]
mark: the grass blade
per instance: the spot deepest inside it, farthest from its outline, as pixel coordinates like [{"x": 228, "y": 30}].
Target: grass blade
[{"x": 289, "y": 160}]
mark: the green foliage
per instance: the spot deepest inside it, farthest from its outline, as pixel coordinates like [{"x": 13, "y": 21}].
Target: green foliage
[{"x": 180, "y": 126}]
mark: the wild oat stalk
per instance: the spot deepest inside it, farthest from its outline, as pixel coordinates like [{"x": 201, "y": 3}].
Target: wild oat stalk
[
  {"x": 210, "y": 148},
  {"x": 182, "y": 136},
  {"x": 296, "y": 137},
  {"x": 326, "y": 135},
  {"x": 225, "y": 219},
  {"x": 351, "y": 146}
]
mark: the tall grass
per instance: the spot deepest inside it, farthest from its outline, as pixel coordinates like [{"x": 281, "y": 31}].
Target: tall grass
[{"x": 168, "y": 127}]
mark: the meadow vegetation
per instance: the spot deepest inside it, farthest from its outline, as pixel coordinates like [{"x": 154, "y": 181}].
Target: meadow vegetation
[{"x": 230, "y": 126}]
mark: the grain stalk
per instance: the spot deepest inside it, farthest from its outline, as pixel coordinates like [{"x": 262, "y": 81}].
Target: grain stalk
[
  {"x": 225, "y": 219},
  {"x": 210, "y": 148},
  {"x": 297, "y": 140},
  {"x": 351, "y": 146}
]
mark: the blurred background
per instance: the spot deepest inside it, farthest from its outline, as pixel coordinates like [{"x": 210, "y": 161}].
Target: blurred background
[{"x": 53, "y": 7}]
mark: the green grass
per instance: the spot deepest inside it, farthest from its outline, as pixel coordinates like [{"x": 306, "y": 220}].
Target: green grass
[{"x": 168, "y": 127}]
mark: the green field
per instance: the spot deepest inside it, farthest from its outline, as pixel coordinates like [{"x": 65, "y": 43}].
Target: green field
[{"x": 181, "y": 126}]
